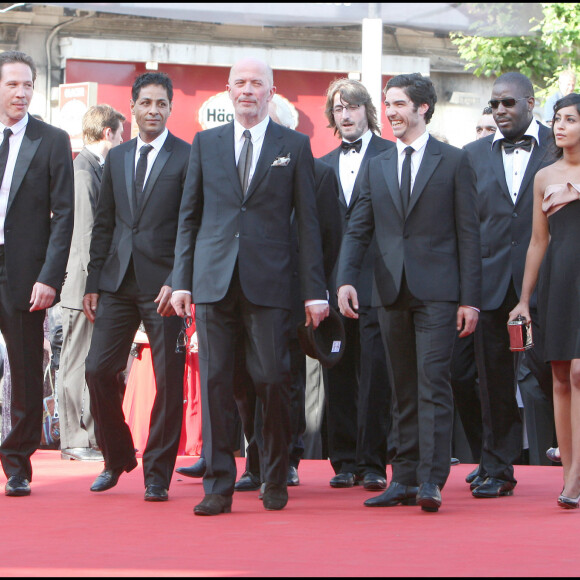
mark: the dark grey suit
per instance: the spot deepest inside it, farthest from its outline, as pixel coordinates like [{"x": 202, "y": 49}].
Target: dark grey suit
[
  {"x": 505, "y": 236},
  {"x": 235, "y": 254},
  {"x": 427, "y": 262},
  {"x": 73, "y": 395},
  {"x": 131, "y": 259},
  {"x": 37, "y": 230},
  {"x": 358, "y": 388}
]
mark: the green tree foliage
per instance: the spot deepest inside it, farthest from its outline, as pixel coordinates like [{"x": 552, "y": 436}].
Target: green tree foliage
[{"x": 551, "y": 46}]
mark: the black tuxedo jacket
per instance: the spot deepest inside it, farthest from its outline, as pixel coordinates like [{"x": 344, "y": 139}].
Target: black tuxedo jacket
[
  {"x": 40, "y": 212},
  {"x": 506, "y": 228},
  {"x": 219, "y": 227},
  {"x": 87, "y": 173},
  {"x": 364, "y": 284},
  {"x": 146, "y": 232},
  {"x": 436, "y": 243}
]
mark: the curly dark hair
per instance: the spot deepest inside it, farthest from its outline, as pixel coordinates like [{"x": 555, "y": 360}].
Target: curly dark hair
[
  {"x": 418, "y": 88},
  {"x": 149, "y": 78}
]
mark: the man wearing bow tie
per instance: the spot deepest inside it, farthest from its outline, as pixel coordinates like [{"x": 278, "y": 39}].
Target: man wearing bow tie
[
  {"x": 129, "y": 280},
  {"x": 358, "y": 389},
  {"x": 233, "y": 259},
  {"x": 505, "y": 164}
]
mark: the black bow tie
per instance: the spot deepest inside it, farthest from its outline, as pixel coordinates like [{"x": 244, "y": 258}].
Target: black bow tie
[
  {"x": 347, "y": 146},
  {"x": 524, "y": 143}
]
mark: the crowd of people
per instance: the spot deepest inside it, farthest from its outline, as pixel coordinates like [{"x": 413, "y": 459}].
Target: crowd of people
[{"x": 421, "y": 250}]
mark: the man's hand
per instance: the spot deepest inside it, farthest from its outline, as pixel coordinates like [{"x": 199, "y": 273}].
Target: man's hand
[
  {"x": 165, "y": 307},
  {"x": 467, "y": 320},
  {"x": 90, "y": 302},
  {"x": 315, "y": 314},
  {"x": 181, "y": 302},
  {"x": 42, "y": 296},
  {"x": 346, "y": 296}
]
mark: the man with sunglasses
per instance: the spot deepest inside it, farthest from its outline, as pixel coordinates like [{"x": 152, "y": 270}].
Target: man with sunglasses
[{"x": 505, "y": 163}]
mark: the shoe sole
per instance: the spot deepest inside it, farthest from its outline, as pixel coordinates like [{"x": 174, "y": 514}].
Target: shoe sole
[
  {"x": 500, "y": 494},
  {"x": 17, "y": 493},
  {"x": 375, "y": 487},
  {"x": 410, "y": 502},
  {"x": 156, "y": 498},
  {"x": 202, "y": 512}
]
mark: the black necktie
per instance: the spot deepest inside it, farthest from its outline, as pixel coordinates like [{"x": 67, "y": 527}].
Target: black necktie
[
  {"x": 4, "y": 150},
  {"x": 141, "y": 171},
  {"x": 245, "y": 161},
  {"x": 406, "y": 179},
  {"x": 347, "y": 146},
  {"x": 524, "y": 143}
]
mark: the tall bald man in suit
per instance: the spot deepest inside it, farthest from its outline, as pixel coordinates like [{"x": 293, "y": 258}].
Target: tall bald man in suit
[
  {"x": 358, "y": 388},
  {"x": 129, "y": 281},
  {"x": 36, "y": 223},
  {"x": 233, "y": 259},
  {"x": 420, "y": 200}
]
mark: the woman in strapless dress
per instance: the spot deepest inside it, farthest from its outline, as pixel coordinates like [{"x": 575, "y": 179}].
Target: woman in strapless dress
[{"x": 553, "y": 263}]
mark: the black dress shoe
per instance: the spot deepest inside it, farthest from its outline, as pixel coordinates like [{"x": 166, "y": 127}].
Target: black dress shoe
[
  {"x": 374, "y": 482},
  {"x": 479, "y": 480},
  {"x": 248, "y": 482},
  {"x": 293, "y": 479},
  {"x": 429, "y": 497},
  {"x": 213, "y": 505},
  {"x": 493, "y": 487},
  {"x": 455, "y": 461},
  {"x": 108, "y": 478},
  {"x": 343, "y": 479},
  {"x": 396, "y": 494},
  {"x": 472, "y": 475},
  {"x": 17, "y": 486},
  {"x": 195, "y": 470},
  {"x": 156, "y": 493},
  {"x": 275, "y": 496}
]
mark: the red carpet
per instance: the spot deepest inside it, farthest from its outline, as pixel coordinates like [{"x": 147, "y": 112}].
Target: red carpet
[{"x": 62, "y": 529}]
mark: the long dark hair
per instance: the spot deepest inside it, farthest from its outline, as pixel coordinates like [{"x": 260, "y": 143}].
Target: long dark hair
[{"x": 573, "y": 99}]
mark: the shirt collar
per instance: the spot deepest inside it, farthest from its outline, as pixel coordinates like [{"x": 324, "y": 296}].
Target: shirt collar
[
  {"x": 92, "y": 148},
  {"x": 533, "y": 130},
  {"x": 365, "y": 138},
  {"x": 17, "y": 127},
  {"x": 257, "y": 131},
  {"x": 416, "y": 145},
  {"x": 157, "y": 143}
]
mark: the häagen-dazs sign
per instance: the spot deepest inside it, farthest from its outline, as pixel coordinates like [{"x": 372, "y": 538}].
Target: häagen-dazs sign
[{"x": 219, "y": 109}]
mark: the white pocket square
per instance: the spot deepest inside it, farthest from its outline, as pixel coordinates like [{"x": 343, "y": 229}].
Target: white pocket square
[{"x": 281, "y": 161}]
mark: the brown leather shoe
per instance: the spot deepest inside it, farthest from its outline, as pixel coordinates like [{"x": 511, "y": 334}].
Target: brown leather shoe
[
  {"x": 275, "y": 496},
  {"x": 213, "y": 504}
]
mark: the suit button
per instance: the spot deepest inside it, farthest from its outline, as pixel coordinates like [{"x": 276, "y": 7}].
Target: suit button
[
  {"x": 135, "y": 230},
  {"x": 237, "y": 235},
  {"x": 514, "y": 243},
  {"x": 514, "y": 214},
  {"x": 244, "y": 208}
]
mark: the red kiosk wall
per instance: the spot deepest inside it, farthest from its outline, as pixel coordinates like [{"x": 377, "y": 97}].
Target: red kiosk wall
[{"x": 194, "y": 84}]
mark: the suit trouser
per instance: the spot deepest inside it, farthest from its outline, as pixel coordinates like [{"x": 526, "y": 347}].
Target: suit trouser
[
  {"x": 419, "y": 337},
  {"x": 497, "y": 367},
  {"x": 24, "y": 336},
  {"x": 117, "y": 319},
  {"x": 77, "y": 427},
  {"x": 358, "y": 399},
  {"x": 265, "y": 333}
]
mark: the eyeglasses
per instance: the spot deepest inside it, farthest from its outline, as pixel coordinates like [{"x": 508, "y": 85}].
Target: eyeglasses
[
  {"x": 507, "y": 103},
  {"x": 339, "y": 109},
  {"x": 182, "y": 338}
]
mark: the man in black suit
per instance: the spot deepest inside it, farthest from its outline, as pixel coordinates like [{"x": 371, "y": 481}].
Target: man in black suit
[
  {"x": 505, "y": 164},
  {"x": 102, "y": 130},
  {"x": 233, "y": 258},
  {"x": 420, "y": 200},
  {"x": 130, "y": 280},
  {"x": 358, "y": 387},
  {"x": 36, "y": 223}
]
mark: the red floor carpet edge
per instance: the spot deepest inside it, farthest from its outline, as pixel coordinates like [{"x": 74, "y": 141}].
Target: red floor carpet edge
[{"x": 62, "y": 529}]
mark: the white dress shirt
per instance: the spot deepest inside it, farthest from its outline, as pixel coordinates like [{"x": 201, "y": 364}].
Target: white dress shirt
[
  {"x": 258, "y": 131},
  {"x": 416, "y": 157},
  {"x": 349, "y": 164},
  {"x": 18, "y": 130},
  {"x": 157, "y": 143},
  {"x": 515, "y": 164}
]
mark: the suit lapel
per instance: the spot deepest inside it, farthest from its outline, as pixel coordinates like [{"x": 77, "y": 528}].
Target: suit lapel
[
  {"x": 499, "y": 170},
  {"x": 93, "y": 162},
  {"x": 160, "y": 161},
  {"x": 227, "y": 150},
  {"x": 391, "y": 175},
  {"x": 430, "y": 161},
  {"x": 30, "y": 143},
  {"x": 271, "y": 148},
  {"x": 130, "y": 175}
]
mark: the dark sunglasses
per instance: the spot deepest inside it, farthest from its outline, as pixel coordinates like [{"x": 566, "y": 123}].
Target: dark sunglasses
[
  {"x": 507, "y": 103},
  {"x": 183, "y": 339}
]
